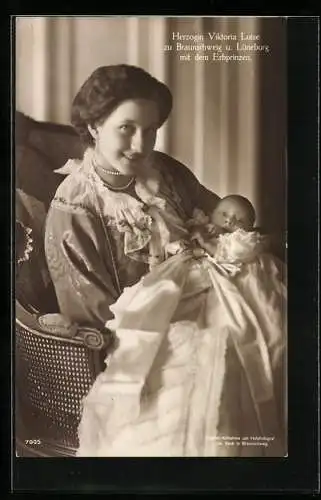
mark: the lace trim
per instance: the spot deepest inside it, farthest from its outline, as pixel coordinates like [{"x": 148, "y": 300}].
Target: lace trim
[
  {"x": 240, "y": 246},
  {"x": 61, "y": 202}
]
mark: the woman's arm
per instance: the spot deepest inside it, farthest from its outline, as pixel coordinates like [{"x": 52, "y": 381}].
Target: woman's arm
[
  {"x": 80, "y": 266},
  {"x": 194, "y": 193}
]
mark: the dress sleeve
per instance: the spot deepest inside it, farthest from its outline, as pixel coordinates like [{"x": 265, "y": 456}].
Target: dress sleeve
[
  {"x": 81, "y": 267},
  {"x": 192, "y": 191}
]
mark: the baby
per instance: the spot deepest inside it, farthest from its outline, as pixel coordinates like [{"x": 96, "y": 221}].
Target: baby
[
  {"x": 228, "y": 234},
  {"x": 233, "y": 212}
]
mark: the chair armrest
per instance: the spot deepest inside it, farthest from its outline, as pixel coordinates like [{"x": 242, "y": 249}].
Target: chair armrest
[{"x": 57, "y": 327}]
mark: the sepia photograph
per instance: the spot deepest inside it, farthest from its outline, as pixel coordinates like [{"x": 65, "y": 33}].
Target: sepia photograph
[{"x": 150, "y": 237}]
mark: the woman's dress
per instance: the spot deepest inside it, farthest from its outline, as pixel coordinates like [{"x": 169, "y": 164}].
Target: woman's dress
[{"x": 198, "y": 368}]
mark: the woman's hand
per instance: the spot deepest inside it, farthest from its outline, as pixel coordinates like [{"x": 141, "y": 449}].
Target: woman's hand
[
  {"x": 205, "y": 233},
  {"x": 198, "y": 237},
  {"x": 203, "y": 240}
]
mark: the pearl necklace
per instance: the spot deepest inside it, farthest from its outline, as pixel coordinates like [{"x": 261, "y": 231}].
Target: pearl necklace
[
  {"x": 112, "y": 172},
  {"x": 104, "y": 169},
  {"x": 119, "y": 188}
]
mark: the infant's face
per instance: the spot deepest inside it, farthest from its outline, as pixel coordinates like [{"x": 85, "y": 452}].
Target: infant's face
[{"x": 231, "y": 215}]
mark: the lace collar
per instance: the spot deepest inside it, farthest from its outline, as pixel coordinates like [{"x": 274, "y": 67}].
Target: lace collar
[
  {"x": 134, "y": 216},
  {"x": 147, "y": 183}
]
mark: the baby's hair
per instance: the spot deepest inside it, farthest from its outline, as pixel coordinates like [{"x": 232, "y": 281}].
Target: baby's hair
[{"x": 245, "y": 202}]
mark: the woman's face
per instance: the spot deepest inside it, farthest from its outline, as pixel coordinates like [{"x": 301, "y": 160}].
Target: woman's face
[{"x": 126, "y": 138}]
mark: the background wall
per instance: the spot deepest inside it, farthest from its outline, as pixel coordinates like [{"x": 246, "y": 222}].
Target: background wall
[{"x": 229, "y": 119}]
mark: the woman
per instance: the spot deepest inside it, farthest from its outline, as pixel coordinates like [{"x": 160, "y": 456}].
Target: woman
[{"x": 111, "y": 220}]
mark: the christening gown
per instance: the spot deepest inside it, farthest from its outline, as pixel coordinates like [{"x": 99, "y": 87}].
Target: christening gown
[{"x": 198, "y": 368}]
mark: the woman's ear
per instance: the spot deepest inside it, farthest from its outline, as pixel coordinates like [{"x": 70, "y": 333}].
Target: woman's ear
[{"x": 93, "y": 132}]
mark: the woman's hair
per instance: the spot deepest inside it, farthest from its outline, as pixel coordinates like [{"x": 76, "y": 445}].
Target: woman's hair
[{"x": 107, "y": 87}]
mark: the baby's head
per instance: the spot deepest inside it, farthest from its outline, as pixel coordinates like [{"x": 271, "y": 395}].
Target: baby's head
[{"x": 234, "y": 212}]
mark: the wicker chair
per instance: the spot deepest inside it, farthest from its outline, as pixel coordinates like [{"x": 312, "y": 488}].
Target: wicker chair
[{"x": 55, "y": 362}]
